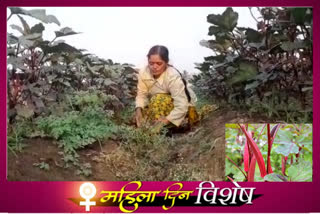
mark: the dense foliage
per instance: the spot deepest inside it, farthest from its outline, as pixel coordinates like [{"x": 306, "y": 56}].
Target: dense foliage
[
  {"x": 56, "y": 90},
  {"x": 42, "y": 73},
  {"x": 267, "y": 69},
  {"x": 269, "y": 152}
]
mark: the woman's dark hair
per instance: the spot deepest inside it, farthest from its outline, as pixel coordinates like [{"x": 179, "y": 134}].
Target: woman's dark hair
[{"x": 160, "y": 50}]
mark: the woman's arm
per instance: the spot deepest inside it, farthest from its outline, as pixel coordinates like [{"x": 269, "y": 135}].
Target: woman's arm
[
  {"x": 142, "y": 93},
  {"x": 180, "y": 100},
  {"x": 141, "y": 100}
]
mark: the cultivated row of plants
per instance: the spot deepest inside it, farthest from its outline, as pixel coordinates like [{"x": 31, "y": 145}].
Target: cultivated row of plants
[
  {"x": 265, "y": 70},
  {"x": 56, "y": 90},
  {"x": 269, "y": 152},
  {"x": 41, "y": 72},
  {"x": 77, "y": 99}
]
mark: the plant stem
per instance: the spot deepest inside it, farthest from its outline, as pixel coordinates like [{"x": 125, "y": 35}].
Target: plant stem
[
  {"x": 307, "y": 32},
  {"x": 237, "y": 167},
  {"x": 252, "y": 169},
  {"x": 274, "y": 132},
  {"x": 296, "y": 127},
  {"x": 18, "y": 47},
  {"x": 269, "y": 169},
  {"x": 230, "y": 179},
  {"x": 100, "y": 145},
  {"x": 267, "y": 34},
  {"x": 284, "y": 163},
  {"x": 43, "y": 55},
  {"x": 244, "y": 49},
  {"x": 304, "y": 148},
  {"x": 9, "y": 16},
  {"x": 234, "y": 44},
  {"x": 256, "y": 151},
  {"x": 53, "y": 40},
  {"x": 9, "y": 147},
  {"x": 253, "y": 15},
  {"x": 261, "y": 132}
]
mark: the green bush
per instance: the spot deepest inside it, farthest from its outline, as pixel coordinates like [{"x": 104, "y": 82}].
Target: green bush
[
  {"x": 75, "y": 129},
  {"x": 267, "y": 69}
]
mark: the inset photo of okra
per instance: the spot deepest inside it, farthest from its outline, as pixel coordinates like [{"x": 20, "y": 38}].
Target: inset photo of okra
[{"x": 268, "y": 152}]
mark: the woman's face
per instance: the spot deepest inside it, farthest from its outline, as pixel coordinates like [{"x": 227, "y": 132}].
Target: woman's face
[{"x": 156, "y": 65}]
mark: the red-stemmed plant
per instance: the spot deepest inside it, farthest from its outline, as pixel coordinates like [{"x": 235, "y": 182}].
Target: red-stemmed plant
[
  {"x": 290, "y": 145},
  {"x": 253, "y": 155}
]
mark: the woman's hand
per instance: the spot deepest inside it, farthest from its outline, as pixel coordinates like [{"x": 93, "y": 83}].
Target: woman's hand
[
  {"x": 159, "y": 124},
  {"x": 163, "y": 120},
  {"x": 139, "y": 116}
]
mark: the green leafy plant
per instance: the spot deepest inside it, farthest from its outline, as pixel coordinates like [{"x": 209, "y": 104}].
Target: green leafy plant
[
  {"x": 41, "y": 72},
  {"x": 282, "y": 153},
  {"x": 17, "y": 133},
  {"x": 75, "y": 129},
  {"x": 84, "y": 169},
  {"x": 264, "y": 70},
  {"x": 42, "y": 165}
]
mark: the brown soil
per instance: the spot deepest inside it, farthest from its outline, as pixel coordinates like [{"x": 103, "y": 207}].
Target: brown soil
[
  {"x": 37, "y": 150},
  {"x": 196, "y": 155}
]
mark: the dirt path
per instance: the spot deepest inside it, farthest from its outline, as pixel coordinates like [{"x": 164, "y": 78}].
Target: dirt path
[{"x": 197, "y": 155}]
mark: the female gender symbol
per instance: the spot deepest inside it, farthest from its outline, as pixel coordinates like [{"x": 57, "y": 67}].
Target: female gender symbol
[{"x": 87, "y": 191}]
